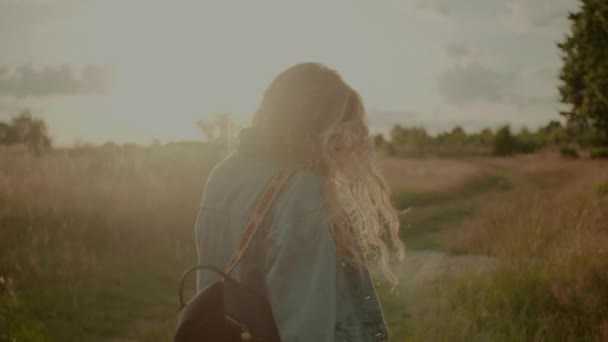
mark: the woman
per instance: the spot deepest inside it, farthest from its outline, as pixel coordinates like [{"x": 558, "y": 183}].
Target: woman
[{"x": 310, "y": 256}]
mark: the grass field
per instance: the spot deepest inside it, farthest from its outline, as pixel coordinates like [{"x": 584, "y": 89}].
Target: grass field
[
  {"x": 524, "y": 256},
  {"x": 93, "y": 242}
]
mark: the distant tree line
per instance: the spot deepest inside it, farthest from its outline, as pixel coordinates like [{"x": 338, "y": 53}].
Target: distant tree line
[
  {"x": 24, "y": 129},
  {"x": 32, "y": 132},
  {"x": 502, "y": 141}
]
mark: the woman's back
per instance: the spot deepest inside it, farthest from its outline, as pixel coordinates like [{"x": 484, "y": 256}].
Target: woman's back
[
  {"x": 292, "y": 244},
  {"x": 231, "y": 194},
  {"x": 292, "y": 259}
]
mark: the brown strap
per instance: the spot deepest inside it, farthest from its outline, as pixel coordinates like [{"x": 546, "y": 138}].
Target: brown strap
[{"x": 264, "y": 204}]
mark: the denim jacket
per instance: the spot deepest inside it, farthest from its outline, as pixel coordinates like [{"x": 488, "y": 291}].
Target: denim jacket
[{"x": 292, "y": 260}]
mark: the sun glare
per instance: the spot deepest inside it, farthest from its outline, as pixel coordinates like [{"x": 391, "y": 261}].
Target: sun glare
[{"x": 169, "y": 67}]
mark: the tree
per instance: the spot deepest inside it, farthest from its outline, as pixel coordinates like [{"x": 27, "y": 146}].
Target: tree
[
  {"x": 457, "y": 136},
  {"x": 398, "y": 134},
  {"x": 29, "y": 131},
  {"x": 4, "y": 133},
  {"x": 505, "y": 144},
  {"x": 553, "y": 133},
  {"x": 208, "y": 129},
  {"x": 223, "y": 123},
  {"x": 486, "y": 137},
  {"x": 584, "y": 72},
  {"x": 381, "y": 144},
  {"x": 379, "y": 140},
  {"x": 220, "y": 127},
  {"x": 413, "y": 136},
  {"x": 527, "y": 141}
]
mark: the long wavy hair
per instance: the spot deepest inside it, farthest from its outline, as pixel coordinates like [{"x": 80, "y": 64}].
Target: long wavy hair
[{"x": 310, "y": 114}]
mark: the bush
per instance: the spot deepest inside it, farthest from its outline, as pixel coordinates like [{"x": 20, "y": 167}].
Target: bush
[
  {"x": 527, "y": 146},
  {"x": 599, "y": 152},
  {"x": 505, "y": 144},
  {"x": 568, "y": 152}
]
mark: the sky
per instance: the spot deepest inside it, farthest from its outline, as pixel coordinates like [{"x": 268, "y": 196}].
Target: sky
[{"x": 139, "y": 70}]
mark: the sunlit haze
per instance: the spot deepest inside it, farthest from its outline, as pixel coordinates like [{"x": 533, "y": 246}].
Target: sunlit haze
[{"x": 133, "y": 71}]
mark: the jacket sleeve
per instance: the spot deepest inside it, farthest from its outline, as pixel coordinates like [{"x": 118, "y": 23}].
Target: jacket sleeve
[{"x": 301, "y": 265}]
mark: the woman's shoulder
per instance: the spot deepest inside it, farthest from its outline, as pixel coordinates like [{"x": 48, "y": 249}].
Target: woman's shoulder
[
  {"x": 304, "y": 192},
  {"x": 235, "y": 168},
  {"x": 300, "y": 212},
  {"x": 306, "y": 180}
]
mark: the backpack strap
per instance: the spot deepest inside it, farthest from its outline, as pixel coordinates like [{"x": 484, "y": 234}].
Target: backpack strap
[{"x": 263, "y": 206}]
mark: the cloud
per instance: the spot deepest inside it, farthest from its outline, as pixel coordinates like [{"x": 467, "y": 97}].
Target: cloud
[
  {"x": 474, "y": 83},
  {"x": 538, "y": 15},
  {"x": 436, "y": 6},
  {"x": 458, "y": 50},
  {"x": 27, "y": 81},
  {"x": 518, "y": 16}
]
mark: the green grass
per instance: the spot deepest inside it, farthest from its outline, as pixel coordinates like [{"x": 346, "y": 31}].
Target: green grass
[
  {"x": 514, "y": 303},
  {"x": 396, "y": 311},
  {"x": 473, "y": 189},
  {"x": 77, "y": 285},
  {"x": 423, "y": 229},
  {"x": 551, "y": 279},
  {"x": 599, "y": 153},
  {"x": 434, "y": 212},
  {"x": 602, "y": 189}
]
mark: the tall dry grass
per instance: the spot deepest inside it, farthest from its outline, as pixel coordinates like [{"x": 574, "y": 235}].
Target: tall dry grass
[
  {"x": 430, "y": 174},
  {"x": 130, "y": 192},
  {"x": 551, "y": 282},
  {"x": 93, "y": 240},
  {"x": 558, "y": 210},
  {"x": 89, "y": 236}
]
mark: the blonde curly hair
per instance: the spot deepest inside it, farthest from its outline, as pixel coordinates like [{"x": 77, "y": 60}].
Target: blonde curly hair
[{"x": 310, "y": 113}]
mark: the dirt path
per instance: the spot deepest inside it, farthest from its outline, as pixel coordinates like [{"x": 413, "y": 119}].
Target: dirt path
[
  {"x": 432, "y": 214},
  {"x": 422, "y": 267}
]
